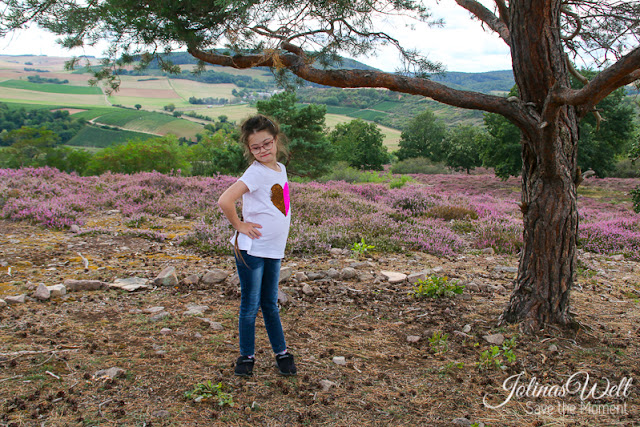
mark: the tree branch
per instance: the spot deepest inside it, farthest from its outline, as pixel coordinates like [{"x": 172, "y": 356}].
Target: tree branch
[
  {"x": 295, "y": 62},
  {"x": 622, "y": 73},
  {"x": 503, "y": 10},
  {"x": 486, "y": 16}
]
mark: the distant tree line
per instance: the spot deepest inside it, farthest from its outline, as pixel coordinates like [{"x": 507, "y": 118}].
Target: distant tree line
[
  {"x": 58, "y": 121},
  {"x": 38, "y": 79},
  {"x": 208, "y": 101},
  {"x": 37, "y": 70},
  {"x": 34, "y": 138}
]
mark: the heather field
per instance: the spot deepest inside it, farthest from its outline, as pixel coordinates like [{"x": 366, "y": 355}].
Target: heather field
[
  {"x": 443, "y": 215},
  {"x": 370, "y": 349}
]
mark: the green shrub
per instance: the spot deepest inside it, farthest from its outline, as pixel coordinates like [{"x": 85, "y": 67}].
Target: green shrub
[
  {"x": 635, "y": 196},
  {"x": 419, "y": 165},
  {"x": 343, "y": 172},
  {"x": 436, "y": 287},
  {"x": 626, "y": 168},
  {"x": 400, "y": 181}
]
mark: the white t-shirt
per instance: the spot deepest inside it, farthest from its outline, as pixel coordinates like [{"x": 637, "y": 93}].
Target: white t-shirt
[{"x": 267, "y": 204}]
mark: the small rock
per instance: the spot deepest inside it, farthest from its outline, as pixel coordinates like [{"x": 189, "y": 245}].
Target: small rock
[
  {"x": 74, "y": 228},
  {"x": 73, "y": 285},
  {"x": 300, "y": 276},
  {"x": 462, "y": 422},
  {"x": 57, "y": 290},
  {"x": 160, "y": 413},
  {"x": 437, "y": 270},
  {"x": 16, "y": 299},
  {"x": 366, "y": 277},
  {"x": 413, "y": 339},
  {"x": 326, "y": 385},
  {"x": 235, "y": 280},
  {"x": 553, "y": 348},
  {"x": 153, "y": 310},
  {"x": 414, "y": 277},
  {"x": 307, "y": 290},
  {"x": 335, "y": 251},
  {"x": 130, "y": 284},
  {"x": 159, "y": 316},
  {"x": 340, "y": 360},
  {"x": 333, "y": 273},
  {"x": 215, "y": 276},
  {"x": 394, "y": 277},
  {"x": 348, "y": 273},
  {"x": 196, "y": 310},
  {"x": 191, "y": 280},
  {"x": 111, "y": 373},
  {"x": 166, "y": 331},
  {"x": 283, "y": 298},
  {"x": 3, "y": 303},
  {"x": 488, "y": 251},
  {"x": 496, "y": 339},
  {"x": 216, "y": 326},
  {"x": 42, "y": 293},
  {"x": 315, "y": 276},
  {"x": 466, "y": 329},
  {"x": 285, "y": 274},
  {"x": 167, "y": 277},
  {"x": 618, "y": 257},
  {"x": 472, "y": 287},
  {"x": 197, "y": 335}
]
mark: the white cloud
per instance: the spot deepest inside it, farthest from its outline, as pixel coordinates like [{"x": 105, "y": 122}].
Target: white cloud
[{"x": 462, "y": 45}]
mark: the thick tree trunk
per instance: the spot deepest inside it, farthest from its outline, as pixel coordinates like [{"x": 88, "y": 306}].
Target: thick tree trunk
[
  {"x": 549, "y": 202},
  {"x": 548, "y": 257}
]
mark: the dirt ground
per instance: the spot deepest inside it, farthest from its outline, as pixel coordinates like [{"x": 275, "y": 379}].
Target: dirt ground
[{"x": 397, "y": 371}]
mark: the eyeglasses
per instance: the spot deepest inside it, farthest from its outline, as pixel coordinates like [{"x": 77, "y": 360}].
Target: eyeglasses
[{"x": 255, "y": 149}]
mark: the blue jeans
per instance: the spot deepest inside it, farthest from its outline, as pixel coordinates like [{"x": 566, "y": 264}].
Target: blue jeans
[{"x": 259, "y": 290}]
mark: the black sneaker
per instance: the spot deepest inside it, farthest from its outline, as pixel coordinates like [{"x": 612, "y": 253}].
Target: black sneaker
[
  {"x": 244, "y": 366},
  {"x": 285, "y": 364}
]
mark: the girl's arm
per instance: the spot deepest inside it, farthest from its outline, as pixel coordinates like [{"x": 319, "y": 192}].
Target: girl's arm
[{"x": 227, "y": 203}]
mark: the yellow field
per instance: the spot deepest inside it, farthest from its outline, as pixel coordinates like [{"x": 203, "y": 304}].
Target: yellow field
[{"x": 189, "y": 88}]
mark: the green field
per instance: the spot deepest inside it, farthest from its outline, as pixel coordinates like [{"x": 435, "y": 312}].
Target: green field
[
  {"x": 387, "y": 106},
  {"x": 123, "y": 118},
  {"x": 369, "y": 115},
  {"x": 93, "y": 136},
  {"x": 51, "y": 88}
]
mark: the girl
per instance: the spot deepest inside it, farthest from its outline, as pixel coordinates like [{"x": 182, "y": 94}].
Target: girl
[{"x": 260, "y": 239}]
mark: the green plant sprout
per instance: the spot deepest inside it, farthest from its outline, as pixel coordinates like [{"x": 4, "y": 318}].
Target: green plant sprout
[
  {"x": 436, "y": 287},
  {"x": 360, "y": 249},
  {"x": 495, "y": 357},
  {"x": 208, "y": 390},
  {"x": 439, "y": 342}
]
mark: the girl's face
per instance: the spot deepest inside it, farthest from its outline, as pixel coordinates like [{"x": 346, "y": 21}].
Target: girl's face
[{"x": 264, "y": 147}]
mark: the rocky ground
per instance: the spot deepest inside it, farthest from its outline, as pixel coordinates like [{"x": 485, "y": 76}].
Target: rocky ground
[{"x": 368, "y": 352}]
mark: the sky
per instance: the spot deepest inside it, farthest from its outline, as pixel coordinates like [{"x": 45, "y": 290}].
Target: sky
[{"x": 462, "y": 45}]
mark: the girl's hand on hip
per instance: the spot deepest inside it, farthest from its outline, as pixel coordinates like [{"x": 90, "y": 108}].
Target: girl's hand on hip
[{"x": 250, "y": 229}]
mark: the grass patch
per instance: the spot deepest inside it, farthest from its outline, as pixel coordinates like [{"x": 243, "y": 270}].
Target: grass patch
[
  {"x": 51, "y": 88},
  {"x": 92, "y": 136}
]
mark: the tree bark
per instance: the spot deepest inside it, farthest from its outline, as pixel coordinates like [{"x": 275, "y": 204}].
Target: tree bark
[{"x": 550, "y": 146}]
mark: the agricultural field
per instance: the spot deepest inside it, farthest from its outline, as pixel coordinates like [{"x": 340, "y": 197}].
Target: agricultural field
[
  {"x": 50, "y": 88},
  {"x": 97, "y": 137},
  {"x": 368, "y": 347},
  {"x": 151, "y": 92}
]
